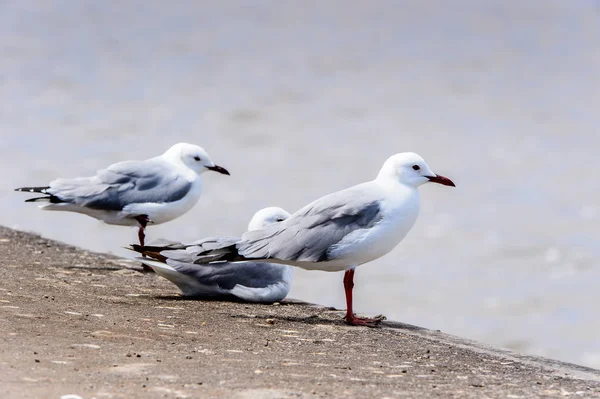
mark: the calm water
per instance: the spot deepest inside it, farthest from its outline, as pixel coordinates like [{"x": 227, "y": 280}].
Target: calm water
[{"x": 298, "y": 99}]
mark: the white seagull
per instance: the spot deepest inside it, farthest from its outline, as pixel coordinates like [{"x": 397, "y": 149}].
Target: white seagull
[
  {"x": 249, "y": 281},
  {"x": 342, "y": 230},
  {"x": 134, "y": 193}
]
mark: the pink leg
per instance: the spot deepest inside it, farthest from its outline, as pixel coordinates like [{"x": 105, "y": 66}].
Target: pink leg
[{"x": 350, "y": 318}]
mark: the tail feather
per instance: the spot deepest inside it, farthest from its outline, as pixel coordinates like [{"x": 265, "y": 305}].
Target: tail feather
[
  {"x": 153, "y": 253},
  {"x": 42, "y": 190},
  {"x": 153, "y": 248},
  {"x": 53, "y": 199},
  {"x": 226, "y": 254}
]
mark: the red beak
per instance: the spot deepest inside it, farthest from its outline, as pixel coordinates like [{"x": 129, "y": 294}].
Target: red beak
[{"x": 441, "y": 180}]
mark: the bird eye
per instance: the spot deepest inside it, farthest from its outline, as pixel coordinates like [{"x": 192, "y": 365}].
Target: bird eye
[
  {"x": 280, "y": 219},
  {"x": 416, "y": 167},
  {"x": 197, "y": 158}
]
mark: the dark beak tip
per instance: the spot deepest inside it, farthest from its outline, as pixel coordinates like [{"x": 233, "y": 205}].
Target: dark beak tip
[{"x": 220, "y": 170}]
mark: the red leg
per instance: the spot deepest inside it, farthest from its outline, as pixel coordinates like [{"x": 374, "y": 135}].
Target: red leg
[
  {"x": 143, "y": 221},
  {"x": 141, "y": 235},
  {"x": 350, "y": 318}
]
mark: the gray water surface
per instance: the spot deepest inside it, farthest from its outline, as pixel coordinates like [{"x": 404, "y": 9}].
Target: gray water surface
[{"x": 301, "y": 98}]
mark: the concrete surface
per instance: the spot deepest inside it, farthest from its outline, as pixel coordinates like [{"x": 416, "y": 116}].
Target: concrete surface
[{"x": 87, "y": 324}]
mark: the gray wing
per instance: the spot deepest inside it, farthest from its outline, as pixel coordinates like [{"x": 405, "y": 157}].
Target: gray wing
[
  {"x": 189, "y": 253},
  {"x": 310, "y": 234},
  {"x": 162, "y": 244},
  {"x": 153, "y": 180},
  {"x": 228, "y": 275}
]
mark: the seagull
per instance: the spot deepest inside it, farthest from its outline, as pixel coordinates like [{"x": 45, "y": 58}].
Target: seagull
[
  {"x": 342, "y": 230},
  {"x": 248, "y": 281},
  {"x": 134, "y": 193}
]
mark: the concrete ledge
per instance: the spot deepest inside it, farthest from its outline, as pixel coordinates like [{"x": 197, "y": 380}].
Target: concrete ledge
[{"x": 81, "y": 323}]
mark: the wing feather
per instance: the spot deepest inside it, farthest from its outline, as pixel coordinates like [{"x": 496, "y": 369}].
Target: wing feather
[
  {"x": 310, "y": 234},
  {"x": 124, "y": 183}
]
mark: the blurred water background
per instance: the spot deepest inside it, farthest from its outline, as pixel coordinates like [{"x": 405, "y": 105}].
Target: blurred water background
[{"x": 301, "y": 98}]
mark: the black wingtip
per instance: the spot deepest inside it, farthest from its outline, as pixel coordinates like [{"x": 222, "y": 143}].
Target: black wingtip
[
  {"x": 135, "y": 247},
  {"x": 50, "y": 198},
  {"x": 148, "y": 251},
  {"x": 36, "y": 199},
  {"x": 40, "y": 189}
]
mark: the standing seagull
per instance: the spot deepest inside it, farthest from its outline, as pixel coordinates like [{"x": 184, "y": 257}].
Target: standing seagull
[
  {"x": 134, "y": 193},
  {"x": 249, "y": 281},
  {"x": 342, "y": 230}
]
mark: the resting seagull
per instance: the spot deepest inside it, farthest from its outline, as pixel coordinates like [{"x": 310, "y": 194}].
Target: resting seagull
[
  {"x": 134, "y": 193},
  {"x": 342, "y": 230},
  {"x": 249, "y": 281}
]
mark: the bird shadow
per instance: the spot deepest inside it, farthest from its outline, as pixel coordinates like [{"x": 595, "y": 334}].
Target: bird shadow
[
  {"x": 232, "y": 299},
  {"x": 317, "y": 319},
  {"x": 313, "y": 319}
]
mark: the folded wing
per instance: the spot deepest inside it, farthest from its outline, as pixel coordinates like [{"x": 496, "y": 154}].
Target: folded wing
[
  {"x": 312, "y": 233},
  {"x": 124, "y": 183}
]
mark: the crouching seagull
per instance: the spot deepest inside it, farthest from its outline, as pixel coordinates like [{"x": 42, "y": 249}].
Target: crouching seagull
[{"x": 247, "y": 281}]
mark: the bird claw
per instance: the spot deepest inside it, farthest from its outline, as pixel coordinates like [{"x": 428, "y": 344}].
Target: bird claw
[{"x": 364, "y": 321}]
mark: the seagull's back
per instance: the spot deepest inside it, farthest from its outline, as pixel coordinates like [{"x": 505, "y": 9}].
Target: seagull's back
[
  {"x": 338, "y": 231},
  {"x": 126, "y": 189}
]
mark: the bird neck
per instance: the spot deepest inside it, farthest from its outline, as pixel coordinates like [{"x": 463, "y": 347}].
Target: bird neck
[
  {"x": 398, "y": 191},
  {"x": 389, "y": 179}
]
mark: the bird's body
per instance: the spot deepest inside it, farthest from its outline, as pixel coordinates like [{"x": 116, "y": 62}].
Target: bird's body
[
  {"x": 161, "y": 188},
  {"x": 257, "y": 282},
  {"x": 158, "y": 212},
  {"x": 134, "y": 193},
  {"x": 248, "y": 281},
  {"x": 345, "y": 229}
]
